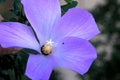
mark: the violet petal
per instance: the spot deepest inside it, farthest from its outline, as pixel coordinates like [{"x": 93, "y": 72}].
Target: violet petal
[
  {"x": 14, "y": 34},
  {"x": 39, "y": 67},
  {"x": 43, "y": 15},
  {"x": 75, "y": 54},
  {"x": 77, "y": 23}
]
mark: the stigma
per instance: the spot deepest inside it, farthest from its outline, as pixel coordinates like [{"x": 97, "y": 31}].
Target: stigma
[{"x": 47, "y": 48}]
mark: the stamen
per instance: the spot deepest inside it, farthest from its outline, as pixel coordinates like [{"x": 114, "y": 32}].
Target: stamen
[
  {"x": 50, "y": 42},
  {"x": 47, "y": 48}
]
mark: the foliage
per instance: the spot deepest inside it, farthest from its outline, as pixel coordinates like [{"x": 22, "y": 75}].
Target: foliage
[
  {"x": 70, "y": 4},
  {"x": 108, "y": 17},
  {"x": 2, "y": 1}
]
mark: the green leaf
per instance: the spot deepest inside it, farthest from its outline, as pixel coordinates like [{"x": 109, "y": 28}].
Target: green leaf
[
  {"x": 68, "y": 6},
  {"x": 68, "y": 1},
  {"x": 2, "y": 1}
]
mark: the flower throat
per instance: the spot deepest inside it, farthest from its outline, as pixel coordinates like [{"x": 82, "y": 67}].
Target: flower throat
[{"x": 47, "y": 48}]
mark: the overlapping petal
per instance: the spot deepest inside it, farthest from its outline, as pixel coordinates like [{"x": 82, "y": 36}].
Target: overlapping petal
[
  {"x": 13, "y": 34},
  {"x": 75, "y": 54},
  {"x": 76, "y": 22},
  {"x": 39, "y": 67},
  {"x": 43, "y": 15}
]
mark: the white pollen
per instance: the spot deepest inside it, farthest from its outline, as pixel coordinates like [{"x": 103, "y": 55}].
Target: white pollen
[{"x": 49, "y": 42}]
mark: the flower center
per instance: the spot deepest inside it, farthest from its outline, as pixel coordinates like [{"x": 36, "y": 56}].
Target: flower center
[{"x": 47, "y": 48}]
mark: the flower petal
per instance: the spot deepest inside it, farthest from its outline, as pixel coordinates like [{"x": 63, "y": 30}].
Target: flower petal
[
  {"x": 75, "y": 54},
  {"x": 39, "y": 67},
  {"x": 76, "y": 22},
  {"x": 13, "y": 34},
  {"x": 43, "y": 15}
]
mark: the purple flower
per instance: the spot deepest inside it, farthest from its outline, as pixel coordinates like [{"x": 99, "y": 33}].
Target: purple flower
[{"x": 64, "y": 41}]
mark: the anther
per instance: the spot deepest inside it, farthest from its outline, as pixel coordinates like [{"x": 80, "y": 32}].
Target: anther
[{"x": 46, "y": 49}]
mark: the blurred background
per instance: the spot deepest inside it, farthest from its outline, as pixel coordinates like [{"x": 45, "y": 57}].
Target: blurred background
[{"x": 105, "y": 67}]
